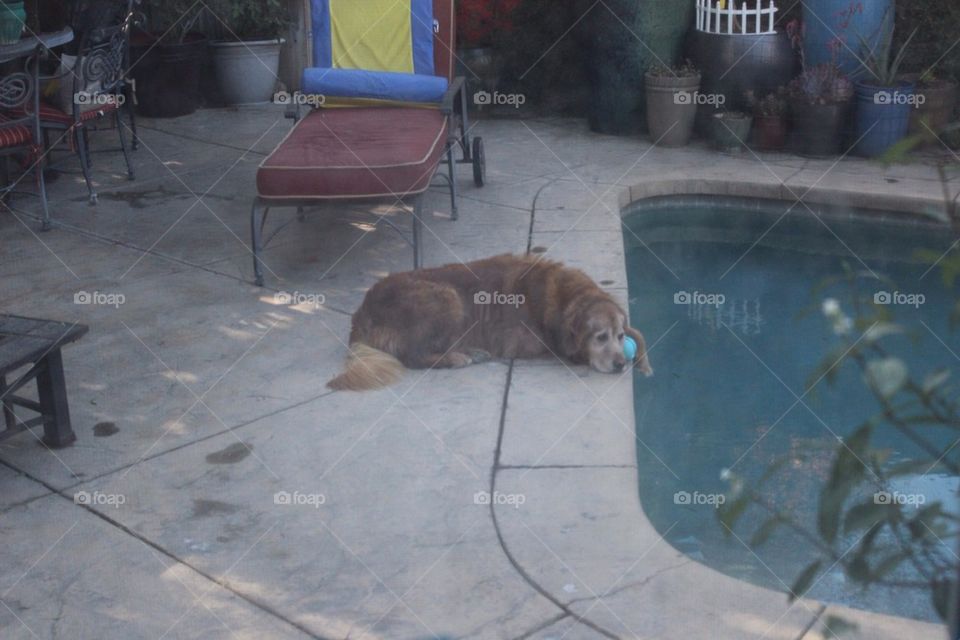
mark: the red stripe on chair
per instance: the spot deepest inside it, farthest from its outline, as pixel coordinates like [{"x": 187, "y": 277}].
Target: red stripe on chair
[
  {"x": 15, "y": 136},
  {"x": 50, "y": 114}
]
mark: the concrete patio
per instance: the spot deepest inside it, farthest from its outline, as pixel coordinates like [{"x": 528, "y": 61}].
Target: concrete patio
[{"x": 218, "y": 489}]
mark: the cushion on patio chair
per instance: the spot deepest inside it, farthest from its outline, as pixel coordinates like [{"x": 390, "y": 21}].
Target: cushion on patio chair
[
  {"x": 390, "y": 58},
  {"x": 14, "y": 136},
  {"x": 363, "y": 152},
  {"x": 373, "y": 85}
]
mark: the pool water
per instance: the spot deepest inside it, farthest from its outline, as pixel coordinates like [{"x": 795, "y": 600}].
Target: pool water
[{"x": 740, "y": 336}]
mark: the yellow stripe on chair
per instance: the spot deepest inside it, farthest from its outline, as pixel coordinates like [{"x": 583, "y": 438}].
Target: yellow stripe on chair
[{"x": 371, "y": 34}]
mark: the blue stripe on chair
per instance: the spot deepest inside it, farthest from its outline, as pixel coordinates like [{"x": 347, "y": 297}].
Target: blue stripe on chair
[
  {"x": 320, "y": 21},
  {"x": 378, "y": 85},
  {"x": 421, "y": 28}
]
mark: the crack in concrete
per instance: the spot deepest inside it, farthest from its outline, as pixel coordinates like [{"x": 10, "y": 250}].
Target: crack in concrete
[
  {"x": 631, "y": 585},
  {"x": 253, "y": 601},
  {"x": 546, "y": 624},
  {"x": 495, "y": 468}
]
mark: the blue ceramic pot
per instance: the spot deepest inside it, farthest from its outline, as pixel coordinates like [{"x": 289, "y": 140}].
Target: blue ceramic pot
[{"x": 882, "y": 116}]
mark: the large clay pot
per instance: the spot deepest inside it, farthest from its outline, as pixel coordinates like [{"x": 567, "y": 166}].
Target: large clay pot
[
  {"x": 247, "y": 71},
  {"x": 168, "y": 74},
  {"x": 832, "y": 30},
  {"x": 733, "y": 64},
  {"x": 671, "y": 108}
]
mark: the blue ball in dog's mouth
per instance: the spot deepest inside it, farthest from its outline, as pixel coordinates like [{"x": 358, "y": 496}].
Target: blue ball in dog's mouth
[{"x": 629, "y": 348}]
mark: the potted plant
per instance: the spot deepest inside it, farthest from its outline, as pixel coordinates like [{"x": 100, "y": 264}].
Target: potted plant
[
  {"x": 936, "y": 104},
  {"x": 819, "y": 100},
  {"x": 479, "y": 23},
  {"x": 671, "y": 103},
  {"x": 884, "y": 100},
  {"x": 247, "y": 63},
  {"x": 729, "y": 130},
  {"x": 769, "y": 120},
  {"x": 167, "y": 60}
]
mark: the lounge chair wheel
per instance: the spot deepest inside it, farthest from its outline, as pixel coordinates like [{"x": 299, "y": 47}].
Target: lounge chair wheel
[{"x": 479, "y": 162}]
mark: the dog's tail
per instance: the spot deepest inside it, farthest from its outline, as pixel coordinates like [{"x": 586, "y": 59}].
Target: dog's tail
[{"x": 367, "y": 368}]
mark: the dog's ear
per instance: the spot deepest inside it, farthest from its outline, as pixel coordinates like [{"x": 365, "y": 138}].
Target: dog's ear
[
  {"x": 640, "y": 361},
  {"x": 571, "y": 331}
]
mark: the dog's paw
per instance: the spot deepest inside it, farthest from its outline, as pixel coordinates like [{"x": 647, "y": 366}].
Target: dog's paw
[
  {"x": 478, "y": 356},
  {"x": 457, "y": 360}
]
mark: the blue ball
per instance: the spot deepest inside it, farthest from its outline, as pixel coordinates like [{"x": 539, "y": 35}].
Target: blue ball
[{"x": 629, "y": 348}]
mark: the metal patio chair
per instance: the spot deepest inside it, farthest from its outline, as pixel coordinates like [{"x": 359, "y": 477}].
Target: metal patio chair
[
  {"x": 98, "y": 81},
  {"x": 20, "y": 131}
]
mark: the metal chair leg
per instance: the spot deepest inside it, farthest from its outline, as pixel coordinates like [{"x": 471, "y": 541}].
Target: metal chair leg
[
  {"x": 135, "y": 143},
  {"x": 123, "y": 145},
  {"x": 9, "y": 418},
  {"x": 255, "y": 241},
  {"x": 418, "y": 233},
  {"x": 52, "y": 392},
  {"x": 464, "y": 126},
  {"x": 84, "y": 153},
  {"x": 454, "y": 214},
  {"x": 46, "y": 225},
  {"x": 86, "y": 140}
]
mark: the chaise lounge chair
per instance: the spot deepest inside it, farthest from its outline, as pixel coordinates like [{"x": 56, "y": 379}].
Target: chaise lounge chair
[{"x": 390, "y": 110}]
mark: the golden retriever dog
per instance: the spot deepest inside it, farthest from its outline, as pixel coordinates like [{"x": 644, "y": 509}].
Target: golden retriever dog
[{"x": 502, "y": 307}]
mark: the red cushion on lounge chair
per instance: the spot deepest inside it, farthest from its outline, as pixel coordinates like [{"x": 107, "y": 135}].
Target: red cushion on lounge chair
[
  {"x": 356, "y": 153},
  {"x": 14, "y": 136}
]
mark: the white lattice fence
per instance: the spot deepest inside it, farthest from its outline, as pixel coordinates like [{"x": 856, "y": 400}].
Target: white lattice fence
[{"x": 746, "y": 17}]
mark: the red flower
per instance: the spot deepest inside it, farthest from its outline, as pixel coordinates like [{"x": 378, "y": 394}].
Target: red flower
[{"x": 479, "y": 20}]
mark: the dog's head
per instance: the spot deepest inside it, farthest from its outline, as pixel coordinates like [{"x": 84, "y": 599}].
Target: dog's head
[{"x": 594, "y": 334}]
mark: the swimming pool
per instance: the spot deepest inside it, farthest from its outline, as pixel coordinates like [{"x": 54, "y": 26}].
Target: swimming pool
[{"x": 742, "y": 336}]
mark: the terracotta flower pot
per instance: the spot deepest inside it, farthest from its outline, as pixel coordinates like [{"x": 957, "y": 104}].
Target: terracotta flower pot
[{"x": 769, "y": 133}]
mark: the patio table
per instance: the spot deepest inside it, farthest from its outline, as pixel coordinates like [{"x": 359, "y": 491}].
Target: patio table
[
  {"x": 28, "y": 44},
  {"x": 35, "y": 342}
]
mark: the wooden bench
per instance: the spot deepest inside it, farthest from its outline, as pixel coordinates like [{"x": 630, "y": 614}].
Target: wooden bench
[{"x": 37, "y": 343}]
